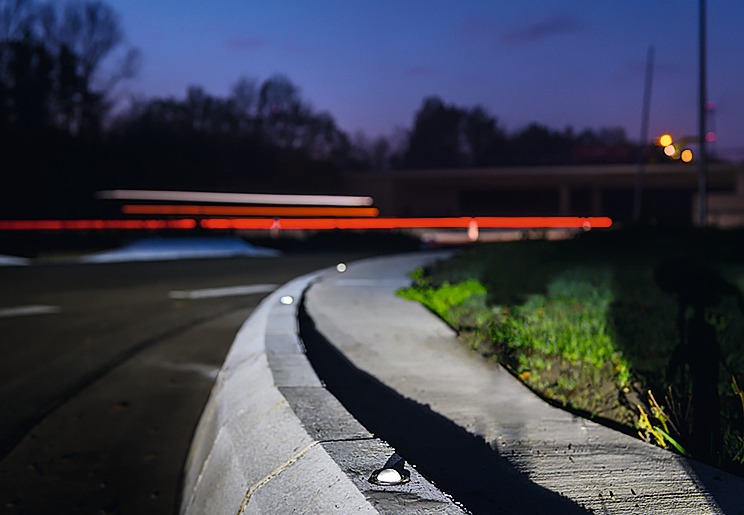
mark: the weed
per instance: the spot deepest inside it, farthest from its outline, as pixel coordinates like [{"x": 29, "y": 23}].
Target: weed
[
  {"x": 443, "y": 298},
  {"x": 585, "y": 322},
  {"x": 662, "y": 430},
  {"x": 735, "y": 442}
]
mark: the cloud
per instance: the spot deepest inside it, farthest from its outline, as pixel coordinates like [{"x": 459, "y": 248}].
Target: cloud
[{"x": 548, "y": 26}]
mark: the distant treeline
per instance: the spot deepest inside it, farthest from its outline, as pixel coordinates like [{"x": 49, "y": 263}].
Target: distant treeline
[{"x": 67, "y": 131}]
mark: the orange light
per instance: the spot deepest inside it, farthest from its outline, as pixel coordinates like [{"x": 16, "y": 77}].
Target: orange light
[
  {"x": 202, "y": 210},
  {"x": 686, "y": 155}
]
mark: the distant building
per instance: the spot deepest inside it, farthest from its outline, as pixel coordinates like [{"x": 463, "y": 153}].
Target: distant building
[
  {"x": 669, "y": 192},
  {"x": 603, "y": 154}
]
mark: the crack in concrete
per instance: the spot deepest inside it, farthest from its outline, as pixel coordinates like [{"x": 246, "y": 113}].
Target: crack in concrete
[{"x": 271, "y": 475}]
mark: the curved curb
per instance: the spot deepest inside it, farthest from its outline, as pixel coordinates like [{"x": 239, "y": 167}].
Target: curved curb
[{"x": 272, "y": 439}]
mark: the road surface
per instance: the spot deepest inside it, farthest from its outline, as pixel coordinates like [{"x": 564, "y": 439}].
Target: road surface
[{"x": 106, "y": 368}]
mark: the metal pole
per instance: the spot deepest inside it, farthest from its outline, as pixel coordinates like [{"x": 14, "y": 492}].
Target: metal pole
[
  {"x": 638, "y": 198},
  {"x": 702, "y": 172}
]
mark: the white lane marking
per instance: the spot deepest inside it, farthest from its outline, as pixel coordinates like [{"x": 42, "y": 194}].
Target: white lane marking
[
  {"x": 230, "y": 291},
  {"x": 14, "y": 261},
  {"x": 20, "y": 311},
  {"x": 370, "y": 282},
  {"x": 210, "y": 372}
]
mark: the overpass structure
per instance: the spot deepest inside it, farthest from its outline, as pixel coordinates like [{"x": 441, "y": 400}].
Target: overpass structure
[{"x": 669, "y": 192}]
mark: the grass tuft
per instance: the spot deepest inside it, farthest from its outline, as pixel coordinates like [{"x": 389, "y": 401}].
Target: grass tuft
[{"x": 593, "y": 323}]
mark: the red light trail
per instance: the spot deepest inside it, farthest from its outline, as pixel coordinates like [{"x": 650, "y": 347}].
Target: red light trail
[
  {"x": 102, "y": 225},
  {"x": 506, "y": 222},
  {"x": 314, "y": 224}
]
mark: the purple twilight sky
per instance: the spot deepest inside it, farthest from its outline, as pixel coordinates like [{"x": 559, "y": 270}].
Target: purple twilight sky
[{"x": 578, "y": 63}]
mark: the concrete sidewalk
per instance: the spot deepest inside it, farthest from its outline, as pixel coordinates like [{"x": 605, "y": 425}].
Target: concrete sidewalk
[
  {"x": 272, "y": 439},
  {"x": 469, "y": 426}
]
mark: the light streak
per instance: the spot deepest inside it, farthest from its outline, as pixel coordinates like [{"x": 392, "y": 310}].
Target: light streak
[
  {"x": 81, "y": 225},
  {"x": 520, "y": 222},
  {"x": 236, "y": 198},
  {"x": 191, "y": 210},
  {"x": 28, "y": 310},
  {"x": 301, "y": 224}
]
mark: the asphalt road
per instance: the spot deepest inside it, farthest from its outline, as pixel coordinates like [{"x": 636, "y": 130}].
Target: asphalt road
[{"x": 106, "y": 369}]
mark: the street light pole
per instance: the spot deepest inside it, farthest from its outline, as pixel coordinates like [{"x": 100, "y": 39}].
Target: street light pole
[
  {"x": 703, "y": 162},
  {"x": 638, "y": 196}
]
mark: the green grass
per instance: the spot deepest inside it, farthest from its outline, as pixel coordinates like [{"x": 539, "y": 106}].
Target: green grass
[{"x": 590, "y": 324}]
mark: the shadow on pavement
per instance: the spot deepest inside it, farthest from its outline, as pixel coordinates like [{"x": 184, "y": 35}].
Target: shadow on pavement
[{"x": 458, "y": 462}]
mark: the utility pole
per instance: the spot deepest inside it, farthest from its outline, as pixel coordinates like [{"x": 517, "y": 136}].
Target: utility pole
[
  {"x": 638, "y": 197},
  {"x": 702, "y": 172}
]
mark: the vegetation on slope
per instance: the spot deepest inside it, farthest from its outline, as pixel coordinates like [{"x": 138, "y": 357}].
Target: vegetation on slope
[{"x": 638, "y": 329}]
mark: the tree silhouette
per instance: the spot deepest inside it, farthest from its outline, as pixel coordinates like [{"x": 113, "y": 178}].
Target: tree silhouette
[
  {"x": 54, "y": 99},
  {"x": 51, "y": 66},
  {"x": 259, "y": 137},
  {"x": 448, "y": 136},
  {"x": 56, "y": 121},
  {"x": 245, "y": 100},
  {"x": 486, "y": 142},
  {"x": 26, "y": 87},
  {"x": 435, "y": 140},
  {"x": 538, "y": 145}
]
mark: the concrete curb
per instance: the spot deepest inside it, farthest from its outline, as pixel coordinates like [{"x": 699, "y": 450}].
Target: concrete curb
[
  {"x": 540, "y": 459},
  {"x": 272, "y": 439}
]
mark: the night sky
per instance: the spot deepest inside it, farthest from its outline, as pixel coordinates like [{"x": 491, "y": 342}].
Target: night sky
[{"x": 370, "y": 64}]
